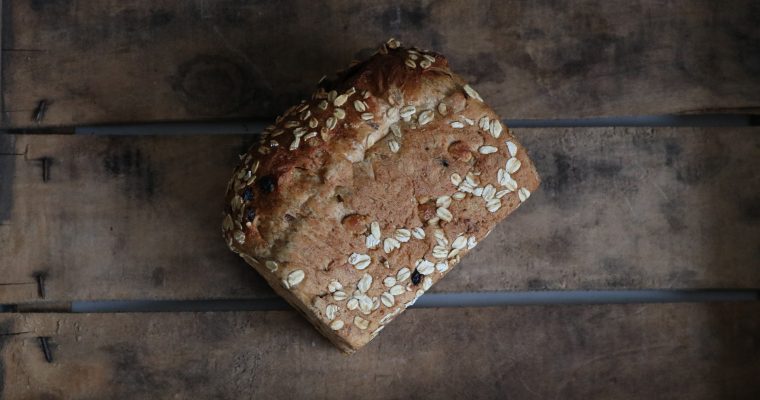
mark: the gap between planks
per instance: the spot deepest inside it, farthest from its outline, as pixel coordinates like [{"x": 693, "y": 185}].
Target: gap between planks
[
  {"x": 255, "y": 126},
  {"x": 243, "y": 127},
  {"x": 431, "y": 300}
]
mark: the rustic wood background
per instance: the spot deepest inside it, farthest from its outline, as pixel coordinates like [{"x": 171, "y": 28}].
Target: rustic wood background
[
  {"x": 134, "y": 217},
  {"x": 153, "y": 60},
  {"x": 124, "y": 217},
  {"x": 662, "y": 351}
]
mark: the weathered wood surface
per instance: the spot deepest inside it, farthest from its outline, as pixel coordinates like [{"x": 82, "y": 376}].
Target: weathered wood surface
[
  {"x": 685, "y": 351},
  {"x": 145, "y": 60},
  {"x": 10, "y": 289},
  {"x": 139, "y": 217},
  {"x": 123, "y": 218}
]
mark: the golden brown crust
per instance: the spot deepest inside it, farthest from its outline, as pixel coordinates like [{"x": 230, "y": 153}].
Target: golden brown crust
[{"x": 398, "y": 146}]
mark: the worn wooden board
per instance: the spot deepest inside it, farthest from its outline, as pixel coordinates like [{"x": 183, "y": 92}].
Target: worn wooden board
[
  {"x": 147, "y": 60},
  {"x": 124, "y": 217},
  {"x": 139, "y": 217},
  {"x": 685, "y": 351},
  {"x": 9, "y": 288}
]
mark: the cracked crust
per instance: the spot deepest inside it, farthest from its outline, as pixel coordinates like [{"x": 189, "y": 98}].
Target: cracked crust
[{"x": 397, "y": 140}]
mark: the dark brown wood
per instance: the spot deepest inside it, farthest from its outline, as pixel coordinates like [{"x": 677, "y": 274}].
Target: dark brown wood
[
  {"x": 684, "y": 351},
  {"x": 139, "y": 217},
  {"x": 152, "y": 60},
  {"x": 630, "y": 208},
  {"x": 124, "y": 217}
]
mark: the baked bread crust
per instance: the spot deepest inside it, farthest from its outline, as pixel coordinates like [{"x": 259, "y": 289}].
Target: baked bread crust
[{"x": 358, "y": 200}]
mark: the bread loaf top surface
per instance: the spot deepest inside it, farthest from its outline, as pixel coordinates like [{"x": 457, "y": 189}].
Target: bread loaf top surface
[{"x": 356, "y": 201}]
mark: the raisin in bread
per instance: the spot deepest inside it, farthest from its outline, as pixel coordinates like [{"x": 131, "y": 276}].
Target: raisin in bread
[{"x": 358, "y": 200}]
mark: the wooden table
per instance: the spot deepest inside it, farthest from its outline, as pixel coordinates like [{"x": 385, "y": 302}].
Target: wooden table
[{"x": 90, "y": 218}]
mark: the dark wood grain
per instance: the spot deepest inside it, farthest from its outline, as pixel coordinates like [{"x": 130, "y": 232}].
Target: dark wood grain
[
  {"x": 124, "y": 217},
  {"x": 151, "y": 60},
  {"x": 684, "y": 351},
  {"x": 139, "y": 217}
]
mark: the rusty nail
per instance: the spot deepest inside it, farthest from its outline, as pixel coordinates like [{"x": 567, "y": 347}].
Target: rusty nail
[
  {"x": 39, "y": 112},
  {"x": 40, "y": 277},
  {"x": 46, "y": 161},
  {"x": 46, "y": 348}
]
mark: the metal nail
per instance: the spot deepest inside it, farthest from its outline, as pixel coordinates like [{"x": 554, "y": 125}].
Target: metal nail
[
  {"x": 46, "y": 162},
  {"x": 39, "y": 112},
  {"x": 40, "y": 277},
  {"x": 46, "y": 348}
]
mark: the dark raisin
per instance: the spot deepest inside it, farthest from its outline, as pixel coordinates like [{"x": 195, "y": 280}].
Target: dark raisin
[
  {"x": 250, "y": 214},
  {"x": 445, "y": 162},
  {"x": 248, "y": 194},
  {"x": 267, "y": 184},
  {"x": 416, "y": 277}
]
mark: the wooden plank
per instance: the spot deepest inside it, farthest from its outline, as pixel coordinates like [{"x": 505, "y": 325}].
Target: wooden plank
[
  {"x": 138, "y": 217},
  {"x": 10, "y": 288},
  {"x": 662, "y": 351},
  {"x": 152, "y": 60},
  {"x": 141, "y": 211}
]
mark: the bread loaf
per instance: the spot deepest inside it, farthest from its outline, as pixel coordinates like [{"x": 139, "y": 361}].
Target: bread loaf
[{"x": 359, "y": 199}]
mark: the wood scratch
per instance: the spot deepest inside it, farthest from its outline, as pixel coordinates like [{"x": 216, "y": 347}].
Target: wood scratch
[
  {"x": 630, "y": 206},
  {"x": 525, "y": 385},
  {"x": 640, "y": 309},
  {"x": 570, "y": 375},
  {"x": 235, "y": 50},
  {"x": 643, "y": 174},
  {"x": 204, "y": 10},
  {"x": 675, "y": 279},
  {"x": 240, "y": 53},
  {"x": 664, "y": 196},
  {"x": 623, "y": 352}
]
